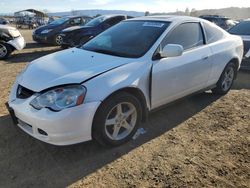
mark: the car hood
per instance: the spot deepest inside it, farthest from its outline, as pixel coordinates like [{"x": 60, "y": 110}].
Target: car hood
[
  {"x": 67, "y": 67},
  {"x": 42, "y": 28}
]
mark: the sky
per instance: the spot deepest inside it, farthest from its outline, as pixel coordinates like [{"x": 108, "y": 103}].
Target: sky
[{"x": 10, "y": 6}]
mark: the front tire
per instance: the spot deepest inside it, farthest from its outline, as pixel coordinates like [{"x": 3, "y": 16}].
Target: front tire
[
  {"x": 5, "y": 50},
  {"x": 226, "y": 80},
  {"x": 117, "y": 119}
]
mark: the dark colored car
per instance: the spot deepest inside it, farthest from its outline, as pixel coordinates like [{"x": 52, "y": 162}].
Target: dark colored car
[
  {"x": 74, "y": 36},
  {"x": 3, "y": 21},
  {"x": 221, "y": 21},
  {"x": 243, "y": 29},
  {"x": 50, "y": 32}
]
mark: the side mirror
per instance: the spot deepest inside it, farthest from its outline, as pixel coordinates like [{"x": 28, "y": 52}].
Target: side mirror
[{"x": 172, "y": 50}]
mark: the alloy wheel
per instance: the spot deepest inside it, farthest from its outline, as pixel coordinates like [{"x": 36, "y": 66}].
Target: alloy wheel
[
  {"x": 59, "y": 40},
  {"x": 120, "y": 121},
  {"x": 228, "y": 78},
  {"x": 3, "y": 50}
]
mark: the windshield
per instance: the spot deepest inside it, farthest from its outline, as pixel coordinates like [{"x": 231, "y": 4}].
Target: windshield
[
  {"x": 59, "y": 21},
  {"x": 97, "y": 21},
  {"x": 243, "y": 28},
  {"x": 128, "y": 39}
]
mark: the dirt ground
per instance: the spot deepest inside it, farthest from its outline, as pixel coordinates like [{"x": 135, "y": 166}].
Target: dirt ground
[{"x": 200, "y": 141}]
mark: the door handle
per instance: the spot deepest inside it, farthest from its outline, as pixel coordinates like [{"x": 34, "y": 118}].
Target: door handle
[{"x": 205, "y": 57}]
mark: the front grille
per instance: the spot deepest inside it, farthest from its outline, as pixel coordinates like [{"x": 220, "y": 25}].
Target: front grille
[{"x": 23, "y": 93}]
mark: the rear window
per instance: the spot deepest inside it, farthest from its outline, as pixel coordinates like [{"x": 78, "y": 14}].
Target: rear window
[
  {"x": 213, "y": 34},
  {"x": 242, "y": 28}
]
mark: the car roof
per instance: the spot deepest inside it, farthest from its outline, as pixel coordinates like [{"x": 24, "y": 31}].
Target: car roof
[
  {"x": 167, "y": 18},
  {"x": 77, "y": 16}
]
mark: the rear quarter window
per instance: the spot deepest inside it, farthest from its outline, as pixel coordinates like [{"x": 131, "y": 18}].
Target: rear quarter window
[{"x": 213, "y": 34}]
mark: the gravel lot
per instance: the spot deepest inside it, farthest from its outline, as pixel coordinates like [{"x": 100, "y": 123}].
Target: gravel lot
[{"x": 200, "y": 141}]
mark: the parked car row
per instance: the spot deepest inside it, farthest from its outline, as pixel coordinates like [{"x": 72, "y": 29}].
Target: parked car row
[
  {"x": 72, "y": 31},
  {"x": 51, "y": 33},
  {"x": 105, "y": 88}
]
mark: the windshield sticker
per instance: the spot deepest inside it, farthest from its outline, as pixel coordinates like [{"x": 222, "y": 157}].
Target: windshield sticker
[{"x": 153, "y": 24}]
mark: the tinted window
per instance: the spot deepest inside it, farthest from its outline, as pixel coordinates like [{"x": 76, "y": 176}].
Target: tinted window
[
  {"x": 127, "y": 39},
  {"x": 189, "y": 35},
  {"x": 77, "y": 21},
  {"x": 242, "y": 28},
  {"x": 213, "y": 34},
  {"x": 97, "y": 21},
  {"x": 59, "y": 21},
  {"x": 115, "y": 20}
]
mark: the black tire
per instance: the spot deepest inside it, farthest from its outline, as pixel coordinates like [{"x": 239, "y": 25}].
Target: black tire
[
  {"x": 8, "y": 49},
  {"x": 98, "y": 128},
  {"x": 219, "y": 89}
]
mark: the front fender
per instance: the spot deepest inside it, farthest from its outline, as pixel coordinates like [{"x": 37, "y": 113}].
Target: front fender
[{"x": 131, "y": 75}]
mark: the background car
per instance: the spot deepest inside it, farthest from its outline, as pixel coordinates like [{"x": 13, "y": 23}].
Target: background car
[
  {"x": 221, "y": 21},
  {"x": 50, "y": 32},
  {"x": 3, "y": 21},
  {"x": 74, "y": 36},
  {"x": 10, "y": 40},
  {"x": 105, "y": 88},
  {"x": 243, "y": 29}
]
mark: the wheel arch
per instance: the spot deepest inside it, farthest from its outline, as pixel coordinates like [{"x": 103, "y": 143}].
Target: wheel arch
[
  {"x": 136, "y": 92},
  {"x": 236, "y": 61}
]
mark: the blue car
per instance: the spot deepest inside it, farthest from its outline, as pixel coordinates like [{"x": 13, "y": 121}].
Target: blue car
[
  {"x": 75, "y": 36},
  {"x": 50, "y": 32},
  {"x": 243, "y": 29}
]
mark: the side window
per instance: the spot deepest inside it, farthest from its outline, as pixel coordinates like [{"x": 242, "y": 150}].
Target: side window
[
  {"x": 213, "y": 34},
  {"x": 77, "y": 21},
  {"x": 115, "y": 20},
  {"x": 189, "y": 35}
]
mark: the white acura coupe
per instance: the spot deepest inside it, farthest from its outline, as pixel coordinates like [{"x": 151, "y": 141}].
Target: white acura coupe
[{"x": 105, "y": 88}]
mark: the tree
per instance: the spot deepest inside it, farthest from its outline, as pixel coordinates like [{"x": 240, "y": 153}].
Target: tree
[
  {"x": 97, "y": 15},
  {"x": 193, "y": 13},
  {"x": 187, "y": 12},
  {"x": 147, "y": 13}
]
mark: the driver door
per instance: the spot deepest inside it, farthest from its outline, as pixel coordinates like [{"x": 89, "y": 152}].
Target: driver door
[{"x": 176, "y": 77}]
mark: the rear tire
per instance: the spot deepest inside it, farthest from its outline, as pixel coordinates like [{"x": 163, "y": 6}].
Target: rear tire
[
  {"x": 226, "y": 80},
  {"x": 5, "y": 50},
  {"x": 58, "y": 40},
  {"x": 112, "y": 128}
]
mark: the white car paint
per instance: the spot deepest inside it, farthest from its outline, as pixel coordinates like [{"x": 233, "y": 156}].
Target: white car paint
[
  {"x": 160, "y": 81},
  {"x": 18, "y": 43}
]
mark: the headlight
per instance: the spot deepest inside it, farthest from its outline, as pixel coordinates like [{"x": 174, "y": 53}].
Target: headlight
[
  {"x": 60, "y": 98},
  {"x": 14, "y": 33},
  {"x": 46, "y": 31}
]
